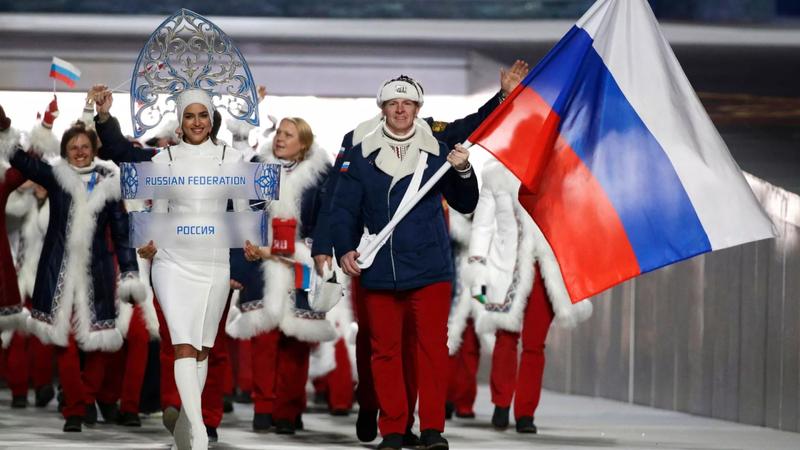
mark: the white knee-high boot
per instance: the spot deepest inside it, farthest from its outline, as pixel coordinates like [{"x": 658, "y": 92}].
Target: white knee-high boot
[
  {"x": 186, "y": 379},
  {"x": 202, "y": 373}
]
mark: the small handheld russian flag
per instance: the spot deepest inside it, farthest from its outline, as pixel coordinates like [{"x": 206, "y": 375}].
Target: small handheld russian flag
[{"x": 64, "y": 71}]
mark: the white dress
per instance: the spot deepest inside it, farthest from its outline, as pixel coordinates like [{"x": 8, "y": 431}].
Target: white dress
[{"x": 192, "y": 284}]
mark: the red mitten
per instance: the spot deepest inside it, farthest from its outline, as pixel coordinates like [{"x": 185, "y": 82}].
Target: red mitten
[{"x": 283, "y": 235}]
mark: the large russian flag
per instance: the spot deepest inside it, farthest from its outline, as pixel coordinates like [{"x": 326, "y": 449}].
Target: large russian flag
[
  {"x": 620, "y": 165},
  {"x": 64, "y": 71}
]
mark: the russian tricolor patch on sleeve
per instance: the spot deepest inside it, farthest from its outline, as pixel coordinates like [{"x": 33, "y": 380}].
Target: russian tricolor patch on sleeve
[{"x": 345, "y": 166}]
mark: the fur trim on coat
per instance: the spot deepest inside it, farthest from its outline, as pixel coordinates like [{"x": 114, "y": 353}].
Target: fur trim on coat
[
  {"x": 276, "y": 308},
  {"x": 85, "y": 207},
  {"x": 33, "y": 229},
  {"x": 44, "y": 142},
  {"x": 9, "y": 141},
  {"x": 140, "y": 291},
  {"x": 533, "y": 247},
  {"x": 322, "y": 360}
]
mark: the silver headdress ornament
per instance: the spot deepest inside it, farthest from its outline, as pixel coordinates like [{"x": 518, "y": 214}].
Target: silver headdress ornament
[{"x": 188, "y": 51}]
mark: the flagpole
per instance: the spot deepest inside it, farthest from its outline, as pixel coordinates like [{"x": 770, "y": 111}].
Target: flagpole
[{"x": 117, "y": 87}]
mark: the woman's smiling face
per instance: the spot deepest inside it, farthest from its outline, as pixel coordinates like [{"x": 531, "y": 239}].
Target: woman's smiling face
[{"x": 196, "y": 124}]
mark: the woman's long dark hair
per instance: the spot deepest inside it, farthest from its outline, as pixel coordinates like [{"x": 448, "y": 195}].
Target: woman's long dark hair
[{"x": 215, "y": 124}]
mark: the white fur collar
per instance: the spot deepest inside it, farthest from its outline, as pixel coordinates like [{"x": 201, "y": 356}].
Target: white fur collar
[
  {"x": 388, "y": 162},
  {"x": 423, "y": 139},
  {"x": 107, "y": 188},
  {"x": 306, "y": 173}
]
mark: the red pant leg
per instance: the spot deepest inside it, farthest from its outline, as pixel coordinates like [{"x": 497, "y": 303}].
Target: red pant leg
[
  {"x": 466, "y": 380},
  {"x": 111, "y": 385},
  {"x": 93, "y": 374},
  {"x": 386, "y": 313},
  {"x": 229, "y": 380},
  {"x": 538, "y": 316},
  {"x": 340, "y": 380},
  {"x": 365, "y": 390},
  {"x": 503, "y": 378},
  {"x": 40, "y": 361},
  {"x": 431, "y": 306},
  {"x": 137, "y": 343},
  {"x": 219, "y": 375},
  {"x": 244, "y": 374},
  {"x": 320, "y": 384},
  {"x": 290, "y": 386},
  {"x": 166, "y": 357},
  {"x": 410, "y": 365},
  {"x": 264, "y": 354},
  {"x": 69, "y": 375},
  {"x": 16, "y": 357}
]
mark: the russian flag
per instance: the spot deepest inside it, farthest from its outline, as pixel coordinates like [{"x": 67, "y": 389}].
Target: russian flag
[
  {"x": 64, "y": 71},
  {"x": 620, "y": 165},
  {"x": 302, "y": 276}
]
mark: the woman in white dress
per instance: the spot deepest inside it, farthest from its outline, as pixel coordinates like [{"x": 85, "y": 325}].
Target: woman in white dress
[{"x": 192, "y": 284}]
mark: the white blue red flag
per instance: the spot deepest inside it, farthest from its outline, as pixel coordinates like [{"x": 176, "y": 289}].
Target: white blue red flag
[
  {"x": 620, "y": 165},
  {"x": 64, "y": 71}
]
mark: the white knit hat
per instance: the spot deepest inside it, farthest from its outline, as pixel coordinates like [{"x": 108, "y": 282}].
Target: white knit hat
[
  {"x": 400, "y": 87},
  {"x": 190, "y": 96}
]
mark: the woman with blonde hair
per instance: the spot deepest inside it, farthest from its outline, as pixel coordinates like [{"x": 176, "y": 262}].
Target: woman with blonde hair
[{"x": 283, "y": 304}]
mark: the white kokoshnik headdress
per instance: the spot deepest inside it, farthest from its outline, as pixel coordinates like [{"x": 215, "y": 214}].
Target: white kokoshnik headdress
[{"x": 187, "y": 51}]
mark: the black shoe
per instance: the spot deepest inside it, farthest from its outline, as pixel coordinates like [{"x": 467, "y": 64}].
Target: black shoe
[
  {"x": 465, "y": 415},
  {"x": 525, "y": 425},
  {"x": 340, "y": 412},
  {"x": 44, "y": 394},
  {"x": 227, "y": 404},
  {"x": 212, "y": 434},
  {"x": 298, "y": 423},
  {"x": 129, "y": 419},
  {"x": 284, "y": 427},
  {"x": 367, "y": 425},
  {"x": 109, "y": 411},
  {"x": 73, "y": 424},
  {"x": 500, "y": 417},
  {"x": 19, "y": 401},
  {"x": 243, "y": 397},
  {"x": 411, "y": 440},
  {"x": 262, "y": 422},
  {"x": 90, "y": 418},
  {"x": 449, "y": 407},
  {"x": 433, "y": 440},
  {"x": 392, "y": 441}
]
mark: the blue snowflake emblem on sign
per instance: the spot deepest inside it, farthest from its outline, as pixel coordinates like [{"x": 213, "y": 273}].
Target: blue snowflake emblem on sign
[
  {"x": 129, "y": 180},
  {"x": 267, "y": 181}
]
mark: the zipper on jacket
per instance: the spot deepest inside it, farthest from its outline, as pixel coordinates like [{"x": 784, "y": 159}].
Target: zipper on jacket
[{"x": 391, "y": 236}]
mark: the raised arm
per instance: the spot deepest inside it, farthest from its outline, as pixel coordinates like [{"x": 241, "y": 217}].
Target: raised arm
[
  {"x": 115, "y": 147},
  {"x": 458, "y": 131}
]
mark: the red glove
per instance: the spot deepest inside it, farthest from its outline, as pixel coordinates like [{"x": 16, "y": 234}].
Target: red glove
[{"x": 283, "y": 235}]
